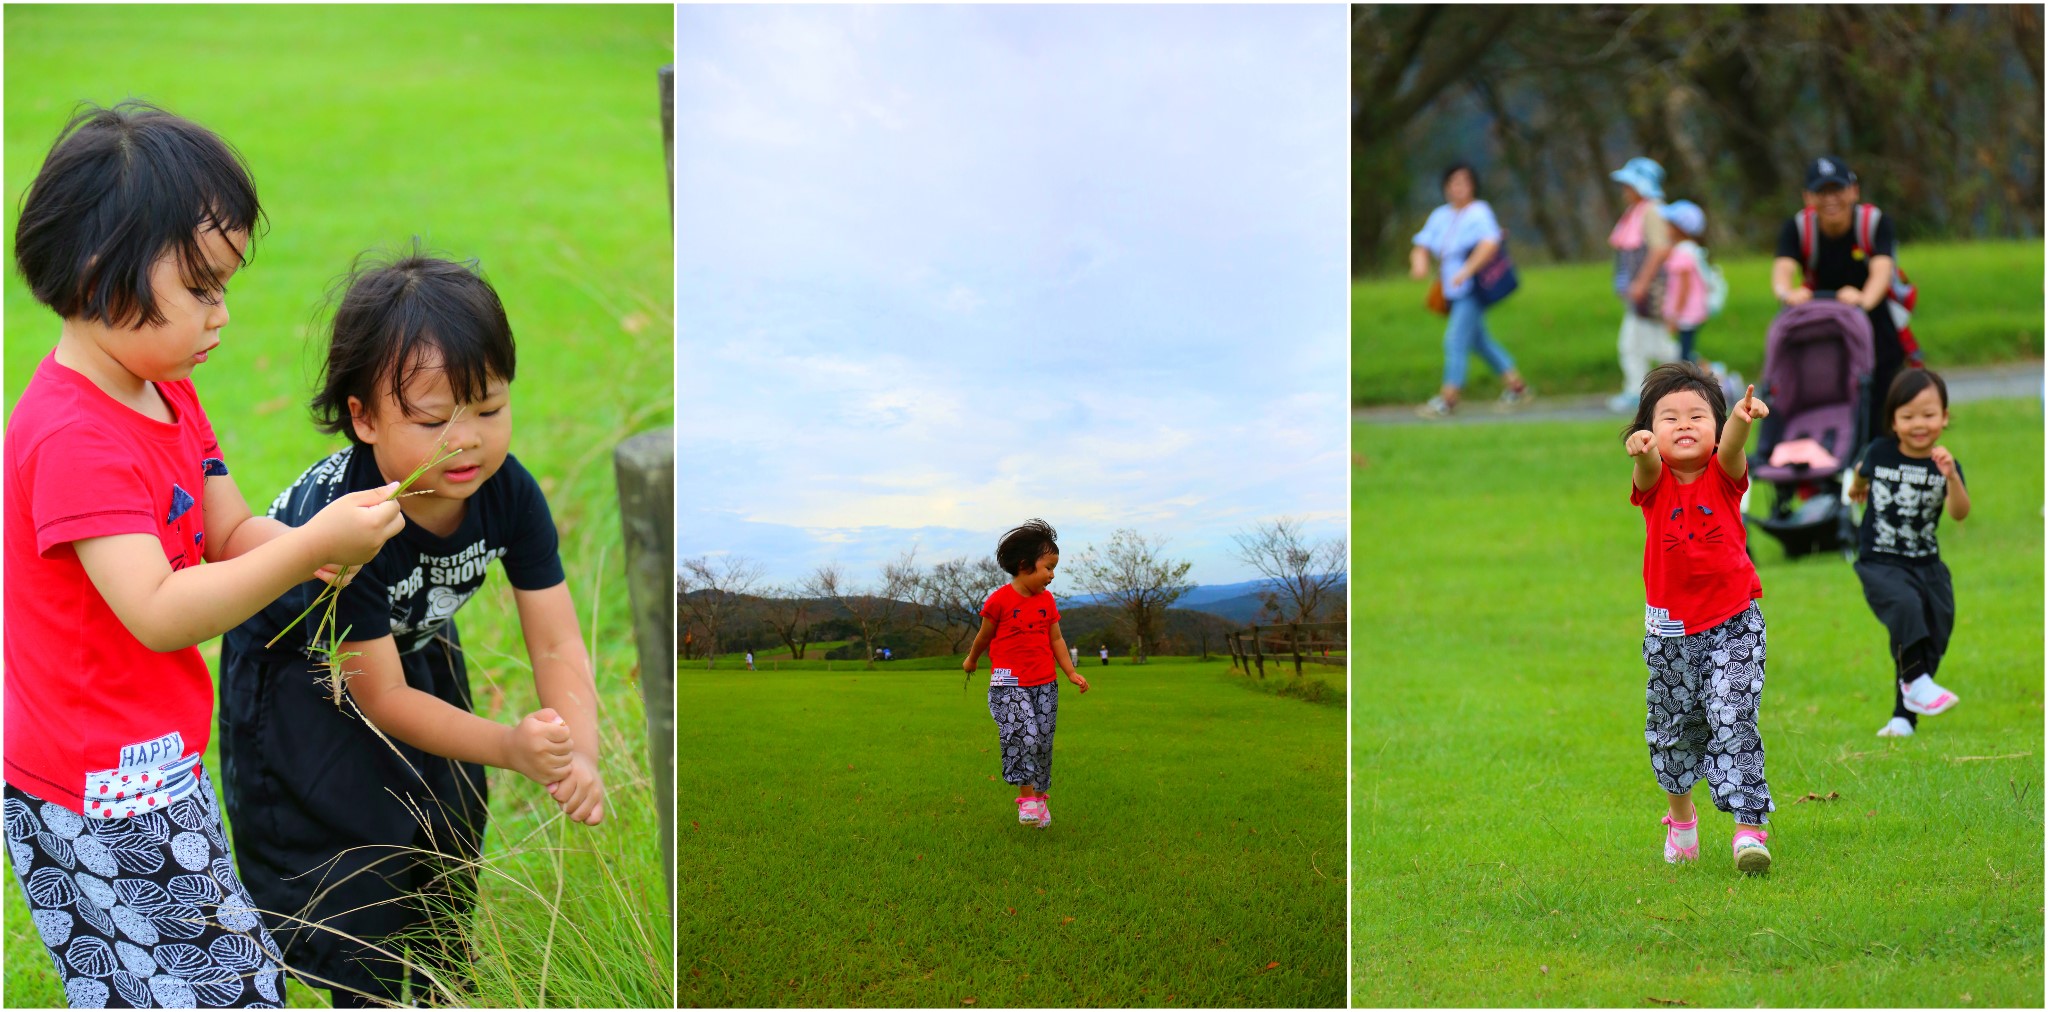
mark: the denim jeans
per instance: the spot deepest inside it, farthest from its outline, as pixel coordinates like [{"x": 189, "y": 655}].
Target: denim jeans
[{"x": 1465, "y": 335}]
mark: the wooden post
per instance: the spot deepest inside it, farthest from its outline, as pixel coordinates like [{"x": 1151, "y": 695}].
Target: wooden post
[
  {"x": 1294, "y": 640},
  {"x": 667, "y": 76},
  {"x": 1258, "y": 652},
  {"x": 646, "y": 469}
]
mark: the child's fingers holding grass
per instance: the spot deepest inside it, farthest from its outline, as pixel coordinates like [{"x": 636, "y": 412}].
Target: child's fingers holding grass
[
  {"x": 581, "y": 793},
  {"x": 352, "y": 528},
  {"x": 538, "y": 747}
]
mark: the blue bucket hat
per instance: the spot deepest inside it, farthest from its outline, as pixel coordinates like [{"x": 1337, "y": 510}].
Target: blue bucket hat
[
  {"x": 1686, "y": 216},
  {"x": 1644, "y": 174}
]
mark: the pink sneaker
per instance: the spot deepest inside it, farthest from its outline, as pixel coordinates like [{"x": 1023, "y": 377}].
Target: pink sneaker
[
  {"x": 1682, "y": 840},
  {"x": 1044, "y": 811},
  {"x": 1751, "y": 856},
  {"x": 1027, "y": 811}
]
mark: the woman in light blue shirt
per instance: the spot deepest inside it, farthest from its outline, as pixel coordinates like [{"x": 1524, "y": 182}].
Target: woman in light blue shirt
[{"x": 1463, "y": 235}]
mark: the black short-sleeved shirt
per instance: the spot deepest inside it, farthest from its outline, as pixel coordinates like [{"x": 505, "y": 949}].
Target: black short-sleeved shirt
[
  {"x": 419, "y": 578},
  {"x": 1839, "y": 263},
  {"x": 1906, "y": 499}
]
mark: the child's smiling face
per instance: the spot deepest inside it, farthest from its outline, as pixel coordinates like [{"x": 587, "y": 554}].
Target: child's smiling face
[
  {"x": 403, "y": 440},
  {"x": 194, "y": 310},
  {"x": 1039, "y": 576},
  {"x": 1684, "y": 425},
  {"x": 1920, "y": 421}
]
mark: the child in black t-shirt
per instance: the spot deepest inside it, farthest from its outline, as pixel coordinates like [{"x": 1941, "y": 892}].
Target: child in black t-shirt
[
  {"x": 361, "y": 821},
  {"x": 1905, "y": 477}
]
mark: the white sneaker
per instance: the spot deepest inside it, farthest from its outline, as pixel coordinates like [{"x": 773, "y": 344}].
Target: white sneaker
[
  {"x": 1622, "y": 403},
  {"x": 1436, "y": 408},
  {"x": 1926, "y": 698},
  {"x": 1897, "y": 727}
]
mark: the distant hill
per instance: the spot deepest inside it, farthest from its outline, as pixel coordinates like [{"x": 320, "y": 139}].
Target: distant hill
[{"x": 1238, "y": 602}]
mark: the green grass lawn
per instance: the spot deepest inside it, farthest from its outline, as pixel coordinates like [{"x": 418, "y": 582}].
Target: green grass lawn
[
  {"x": 1506, "y": 846},
  {"x": 528, "y": 137},
  {"x": 851, "y": 843},
  {"x": 1979, "y": 302}
]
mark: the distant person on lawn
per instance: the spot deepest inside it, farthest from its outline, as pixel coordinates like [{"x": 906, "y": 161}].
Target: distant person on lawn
[
  {"x": 1463, "y": 235},
  {"x": 1020, "y": 629},
  {"x": 1641, "y": 241}
]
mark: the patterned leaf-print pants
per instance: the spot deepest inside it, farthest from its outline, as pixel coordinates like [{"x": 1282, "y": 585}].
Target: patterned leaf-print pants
[
  {"x": 1025, "y": 715},
  {"x": 145, "y": 911},
  {"x": 1704, "y": 692}
]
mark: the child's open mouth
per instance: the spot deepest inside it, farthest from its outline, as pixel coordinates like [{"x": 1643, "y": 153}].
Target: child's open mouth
[{"x": 459, "y": 475}]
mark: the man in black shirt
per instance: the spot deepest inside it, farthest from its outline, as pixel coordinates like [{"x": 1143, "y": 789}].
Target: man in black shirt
[{"x": 1836, "y": 260}]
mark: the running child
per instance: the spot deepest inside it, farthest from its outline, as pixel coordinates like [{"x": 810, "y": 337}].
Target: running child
[
  {"x": 1020, "y": 629},
  {"x": 1705, "y": 638},
  {"x": 1905, "y": 476},
  {"x": 1685, "y": 277},
  {"x": 117, "y": 492},
  {"x": 365, "y": 845}
]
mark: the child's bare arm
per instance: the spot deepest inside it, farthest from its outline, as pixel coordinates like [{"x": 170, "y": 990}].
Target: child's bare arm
[
  {"x": 537, "y": 747},
  {"x": 231, "y": 529},
  {"x": 1063, "y": 659},
  {"x": 1642, "y": 446},
  {"x": 170, "y": 609},
  {"x": 1858, "y": 489},
  {"x": 1735, "y": 434},
  {"x": 563, "y": 678},
  {"x": 981, "y": 640},
  {"x": 1958, "y": 494}
]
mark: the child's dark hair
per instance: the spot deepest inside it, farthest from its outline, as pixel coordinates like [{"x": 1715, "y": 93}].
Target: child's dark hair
[
  {"x": 1908, "y": 384},
  {"x": 1470, "y": 173},
  {"x": 1021, "y": 548},
  {"x": 1670, "y": 378},
  {"x": 397, "y": 313},
  {"x": 120, "y": 189}
]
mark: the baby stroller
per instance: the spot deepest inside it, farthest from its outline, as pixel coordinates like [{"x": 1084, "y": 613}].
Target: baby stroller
[{"x": 1817, "y": 363}]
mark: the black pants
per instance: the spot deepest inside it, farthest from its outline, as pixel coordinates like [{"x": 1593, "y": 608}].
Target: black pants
[
  {"x": 1917, "y": 604},
  {"x": 346, "y": 837}
]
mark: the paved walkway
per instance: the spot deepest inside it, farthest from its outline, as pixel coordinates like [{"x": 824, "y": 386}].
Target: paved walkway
[{"x": 1965, "y": 384}]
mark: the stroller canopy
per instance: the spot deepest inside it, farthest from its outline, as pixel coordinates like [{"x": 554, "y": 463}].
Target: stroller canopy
[{"x": 1816, "y": 359}]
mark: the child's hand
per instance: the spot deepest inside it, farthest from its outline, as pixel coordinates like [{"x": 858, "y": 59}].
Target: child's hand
[
  {"x": 581, "y": 793},
  {"x": 537, "y": 747},
  {"x": 1945, "y": 461},
  {"x": 1079, "y": 682},
  {"x": 333, "y": 574},
  {"x": 968, "y": 665},
  {"x": 1857, "y": 490},
  {"x": 1749, "y": 409},
  {"x": 351, "y": 529},
  {"x": 1641, "y": 442}
]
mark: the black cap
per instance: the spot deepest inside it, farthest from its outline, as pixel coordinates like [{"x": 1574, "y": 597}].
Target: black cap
[{"x": 1827, "y": 170}]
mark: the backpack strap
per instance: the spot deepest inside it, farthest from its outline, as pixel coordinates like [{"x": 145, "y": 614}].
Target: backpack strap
[{"x": 1867, "y": 216}]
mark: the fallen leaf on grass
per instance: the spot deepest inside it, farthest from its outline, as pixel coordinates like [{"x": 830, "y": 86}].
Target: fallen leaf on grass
[
  {"x": 919, "y": 857},
  {"x": 1810, "y": 796},
  {"x": 693, "y": 824},
  {"x": 1066, "y": 920},
  {"x": 849, "y": 765},
  {"x": 1544, "y": 969},
  {"x": 1275, "y": 965},
  {"x": 1010, "y": 911},
  {"x": 1654, "y": 1000},
  {"x": 966, "y": 1001}
]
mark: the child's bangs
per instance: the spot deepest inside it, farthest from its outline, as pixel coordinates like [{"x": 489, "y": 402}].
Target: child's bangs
[{"x": 463, "y": 351}]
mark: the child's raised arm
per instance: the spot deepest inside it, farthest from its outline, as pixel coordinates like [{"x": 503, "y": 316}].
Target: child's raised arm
[
  {"x": 1642, "y": 445},
  {"x": 562, "y": 677},
  {"x": 170, "y": 609},
  {"x": 981, "y": 641},
  {"x": 537, "y": 747},
  {"x": 1063, "y": 659},
  {"x": 1735, "y": 434}
]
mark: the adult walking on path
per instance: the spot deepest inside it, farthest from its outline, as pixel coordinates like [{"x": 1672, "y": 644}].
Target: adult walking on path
[
  {"x": 1641, "y": 241},
  {"x": 1835, "y": 248},
  {"x": 1463, "y": 235}
]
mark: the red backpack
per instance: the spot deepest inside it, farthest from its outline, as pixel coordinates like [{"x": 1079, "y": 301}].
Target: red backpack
[{"x": 1904, "y": 295}]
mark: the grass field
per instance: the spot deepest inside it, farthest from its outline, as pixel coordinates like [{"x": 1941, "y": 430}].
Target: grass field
[
  {"x": 1506, "y": 843},
  {"x": 851, "y": 844},
  {"x": 1979, "y": 302},
  {"x": 530, "y": 138}
]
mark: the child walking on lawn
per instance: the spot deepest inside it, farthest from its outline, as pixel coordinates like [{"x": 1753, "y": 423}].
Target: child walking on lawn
[
  {"x": 1705, "y": 639},
  {"x": 366, "y": 846},
  {"x": 116, "y": 493},
  {"x": 1020, "y": 629},
  {"x": 1905, "y": 477}
]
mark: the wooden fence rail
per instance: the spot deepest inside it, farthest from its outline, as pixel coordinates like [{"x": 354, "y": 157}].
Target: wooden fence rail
[{"x": 1296, "y": 641}]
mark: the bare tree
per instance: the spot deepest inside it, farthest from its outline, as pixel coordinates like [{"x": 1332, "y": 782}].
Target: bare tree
[
  {"x": 787, "y": 610},
  {"x": 874, "y": 610},
  {"x": 711, "y": 592},
  {"x": 1303, "y": 573},
  {"x": 1132, "y": 573},
  {"x": 947, "y": 598}
]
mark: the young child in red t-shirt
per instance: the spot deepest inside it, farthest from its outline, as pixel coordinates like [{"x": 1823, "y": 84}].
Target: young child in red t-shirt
[
  {"x": 116, "y": 492},
  {"x": 1020, "y": 629},
  {"x": 1705, "y": 639}
]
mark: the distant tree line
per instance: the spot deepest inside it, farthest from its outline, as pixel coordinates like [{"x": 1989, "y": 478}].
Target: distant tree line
[
  {"x": 724, "y": 605},
  {"x": 1938, "y": 107}
]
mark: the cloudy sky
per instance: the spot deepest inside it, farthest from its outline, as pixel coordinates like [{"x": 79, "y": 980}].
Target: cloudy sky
[{"x": 944, "y": 269}]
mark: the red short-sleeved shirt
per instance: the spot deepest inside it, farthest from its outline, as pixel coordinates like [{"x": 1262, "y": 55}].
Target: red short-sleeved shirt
[
  {"x": 1696, "y": 568},
  {"x": 1021, "y": 653},
  {"x": 96, "y": 721}
]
